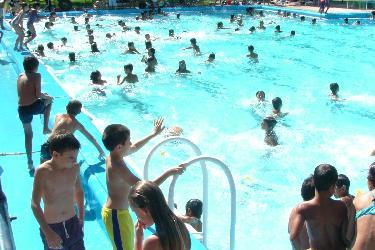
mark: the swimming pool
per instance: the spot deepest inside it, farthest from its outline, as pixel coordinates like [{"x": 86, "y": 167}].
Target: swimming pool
[{"x": 215, "y": 106}]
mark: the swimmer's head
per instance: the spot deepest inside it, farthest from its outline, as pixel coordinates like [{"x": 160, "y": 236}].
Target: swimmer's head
[
  {"x": 211, "y": 57},
  {"x": 87, "y": 20},
  {"x": 371, "y": 177},
  {"x": 95, "y": 76},
  {"x": 308, "y": 189},
  {"x": 147, "y": 36},
  {"x": 334, "y": 87},
  {"x": 346, "y": 20},
  {"x": 250, "y": 48},
  {"x": 128, "y": 68},
  {"x": 75, "y": 28},
  {"x": 171, "y": 32},
  {"x": 252, "y": 29},
  {"x": 232, "y": 17},
  {"x": 130, "y": 45},
  {"x": 40, "y": 48},
  {"x": 64, "y": 40},
  {"x": 303, "y": 18},
  {"x": 292, "y": 33},
  {"x": 193, "y": 41},
  {"x": 268, "y": 123},
  {"x": 358, "y": 22},
  {"x": 30, "y": 64},
  {"x": 137, "y": 29},
  {"x": 178, "y": 15},
  {"x": 342, "y": 186},
  {"x": 94, "y": 47},
  {"x": 260, "y": 95},
  {"x": 148, "y": 45},
  {"x": 313, "y": 21},
  {"x": 72, "y": 56},
  {"x": 88, "y": 26},
  {"x": 116, "y": 137},
  {"x": 277, "y": 103},
  {"x": 325, "y": 177},
  {"x": 72, "y": 19},
  {"x": 73, "y": 107},
  {"x": 220, "y": 25},
  {"x": 108, "y": 35},
  {"x": 194, "y": 208},
  {"x": 182, "y": 64},
  {"x": 277, "y": 28},
  {"x": 50, "y": 45}
]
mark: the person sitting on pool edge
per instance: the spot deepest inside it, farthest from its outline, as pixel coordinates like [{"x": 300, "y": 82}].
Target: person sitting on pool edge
[
  {"x": 130, "y": 77},
  {"x": 68, "y": 123},
  {"x": 120, "y": 179},
  {"x": 194, "y": 46},
  {"x": 193, "y": 213},
  {"x": 252, "y": 55},
  {"x": 131, "y": 49},
  {"x": 268, "y": 124},
  {"x": 307, "y": 193},
  {"x": 277, "y": 103},
  {"x": 182, "y": 68}
]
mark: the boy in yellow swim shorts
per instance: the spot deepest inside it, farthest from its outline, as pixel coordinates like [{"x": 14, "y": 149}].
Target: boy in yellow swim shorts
[{"x": 115, "y": 214}]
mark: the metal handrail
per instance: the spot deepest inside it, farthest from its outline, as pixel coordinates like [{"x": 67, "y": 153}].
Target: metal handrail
[
  {"x": 197, "y": 151},
  {"x": 200, "y": 159}
]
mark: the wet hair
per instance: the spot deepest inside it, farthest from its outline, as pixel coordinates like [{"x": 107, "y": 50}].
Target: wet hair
[
  {"x": 178, "y": 15},
  {"x": 108, "y": 35},
  {"x": 90, "y": 31},
  {"x": 292, "y": 33},
  {"x": 308, "y": 188},
  {"x": 137, "y": 28},
  {"x": 72, "y": 56},
  {"x": 50, "y": 45},
  {"x": 61, "y": 143},
  {"x": 346, "y": 19},
  {"x": 277, "y": 27},
  {"x": 277, "y": 103},
  {"x": 302, "y": 18},
  {"x": 212, "y": 55},
  {"x": 87, "y": 19},
  {"x": 260, "y": 92},
  {"x": 371, "y": 174},
  {"x": 148, "y": 45},
  {"x": 73, "y": 107},
  {"x": 130, "y": 44},
  {"x": 94, "y": 47},
  {"x": 129, "y": 67},
  {"x": 270, "y": 121},
  {"x": 193, "y": 41},
  {"x": 40, "y": 47},
  {"x": 171, "y": 231},
  {"x": 30, "y": 63},
  {"x": 250, "y": 48},
  {"x": 343, "y": 180},
  {"x": 252, "y": 28},
  {"x": 114, "y": 135},
  {"x": 232, "y": 16},
  {"x": 313, "y": 20},
  {"x": 325, "y": 176},
  {"x": 358, "y": 22},
  {"x": 334, "y": 87},
  {"x": 195, "y": 206},
  {"x": 94, "y": 76},
  {"x": 76, "y": 27},
  {"x": 220, "y": 24},
  {"x": 64, "y": 39}
]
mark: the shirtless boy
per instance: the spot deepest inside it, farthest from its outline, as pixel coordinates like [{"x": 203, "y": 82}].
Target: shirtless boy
[
  {"x": 31, "y": 101},
  {"x": 130, "y": 77},
  {"x": 277, "y": 103},
  {"x": 57, "y": 182},
  {"x": 68, "y": 123},
  {"x": 326, "y": 219},
  {"x": 115, "y": 214}
]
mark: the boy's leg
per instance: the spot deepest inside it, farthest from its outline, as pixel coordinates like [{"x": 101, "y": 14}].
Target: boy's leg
[
  {"x": 28, "y": 144},
  {"x": 46, "y": 115}
]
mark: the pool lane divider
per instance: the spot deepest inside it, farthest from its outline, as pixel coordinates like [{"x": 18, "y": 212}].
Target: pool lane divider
[{"x": 92, "y": 170}]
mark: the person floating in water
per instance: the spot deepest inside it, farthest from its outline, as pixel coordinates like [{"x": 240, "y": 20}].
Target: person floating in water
[
  {"x": 182, "y": 68},
  {"x": 277, "y": 103},
  {"x": 261, "y": 96},
  {"x": 252, "y": 55},
  {"x": 130, "y": 77},
  {"x": 268, "y": 124}
]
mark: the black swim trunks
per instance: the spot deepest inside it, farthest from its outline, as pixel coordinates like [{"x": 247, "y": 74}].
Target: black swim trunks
[
  {"x": 45, "y": 153},
  {"x": 26, "y": 112},
  {"x": 70, "y": 231}
]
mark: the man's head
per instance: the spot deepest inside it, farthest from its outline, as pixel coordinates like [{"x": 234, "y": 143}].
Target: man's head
[
  {"x": 308, "y": 189},
  {"x": 252, "y": 29},
  {"x": 72, "y": 56},
  {"x": 95, "y": 76},
  {"x": 346, "y": 20},
  {"x": 220, "y": 25},
  {"x": 250, "y": 48},
  {"x": 277, "y": 28},
  {"x": 268, "y": 123},
  {"x": 292, "y": 33},
  {"x": 75, "y": 27},
  {"x": 116, "y": 138},
  {"x": 64, "y": 40},
  {"x": 334, "y": 87},
  {"x": 128, "y": 68},
  {"x": 137, "y": 29},
  {"x": 277, "y": 103},
  {"x": 64, "y": 149},
  {"x": 30, "y": 64},
  {"x": 325, "y": 177},
  {"x": 50, "y": 45},
  {"x": 313, "y": 21},
  {"x": 194, "y": 208},
  {"x": 171, "y": 32},
  {"x": 303, "y": 18},
  {"x": 211, "y": 57},
  {"x": 193, "y": 41},
  {"x": 40, "y": 48},
  {"x": 342, "y": 186},
  {"x": 130, "y": 45},
  {"x": 73, "y": 107}
]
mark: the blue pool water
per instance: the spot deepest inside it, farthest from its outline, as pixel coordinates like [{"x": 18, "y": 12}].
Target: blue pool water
[{"x": 215, "y": 106}]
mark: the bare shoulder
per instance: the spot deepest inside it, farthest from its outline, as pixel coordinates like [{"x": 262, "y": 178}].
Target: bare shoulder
[
  {"x": 152, "y": 243},
  {"x": 361, "y": 201},
  {"x": 42, "y": 170}
]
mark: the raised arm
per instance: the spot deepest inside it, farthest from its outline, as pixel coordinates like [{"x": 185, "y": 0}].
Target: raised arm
[
  {"x": 158, "y": 128},
  {"x": 79, "y": 197},
  {"x": 53, "y": 240},
  {"x": 91, "y": 138}
]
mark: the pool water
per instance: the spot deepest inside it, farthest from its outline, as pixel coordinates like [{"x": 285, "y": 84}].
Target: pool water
[{"x": 216, "y": 107}]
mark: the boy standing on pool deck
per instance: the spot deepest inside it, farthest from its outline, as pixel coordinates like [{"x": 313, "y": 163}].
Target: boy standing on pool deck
[
  {"x": 115, "y": 214},
  {"x": 57, "y": 182},
  {"x": 31, "y": 101}
]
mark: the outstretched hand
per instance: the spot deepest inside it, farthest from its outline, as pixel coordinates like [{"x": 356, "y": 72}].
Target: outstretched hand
[
  {"x": 179, "y": 169},
  {"x": 158, "y": 126}
]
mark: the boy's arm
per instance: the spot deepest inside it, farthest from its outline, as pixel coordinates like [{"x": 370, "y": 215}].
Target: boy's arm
[
  {"x": 158, "y": 128},
  {"x": 91, "y": 138},
  {"x": 38, "y": 87},
  {"x": 79, "y": 197},
  {"x": 296, "y": 222},
  {"x": 172, "y": 171}
]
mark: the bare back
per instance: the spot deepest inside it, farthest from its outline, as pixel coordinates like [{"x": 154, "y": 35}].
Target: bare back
[
  {"x": 326, "y": 223},
  {"x": 365, "y": 224},
  {"x": 57, "y": 188},
  {"x": 28, "y": 88},
  {"x": 65, "y": 123}
]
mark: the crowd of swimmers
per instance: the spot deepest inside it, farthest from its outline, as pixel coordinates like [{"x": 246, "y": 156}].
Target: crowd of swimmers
[{"x": 309, "y": 226}]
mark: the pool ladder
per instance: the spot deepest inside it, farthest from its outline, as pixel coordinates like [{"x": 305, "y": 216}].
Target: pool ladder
[{"x": 202, "y": 159}]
